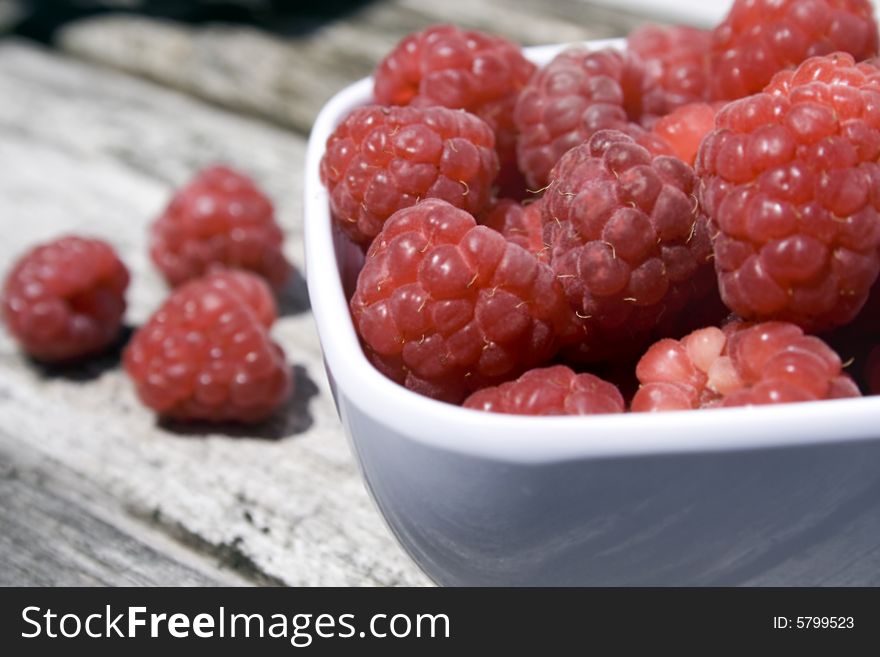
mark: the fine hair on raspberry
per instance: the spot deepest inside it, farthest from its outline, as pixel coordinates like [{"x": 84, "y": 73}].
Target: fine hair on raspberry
[
  {"x": 627, "y": 240},
  {"x": 382, "y": 159},
  {"x": 461, "y": 69},
  {"x": 445, "y": 306},
  {"x": 791, "y": 184}
]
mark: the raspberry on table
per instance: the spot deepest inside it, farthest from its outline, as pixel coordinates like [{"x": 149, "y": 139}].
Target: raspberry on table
[
  {"x": 519, "y": 223},
  {"x": 460, "y": 69},
  {"x": 739, "y": 365},
  {"x": 206, "y": 354},
  {"x": 577, "y": 94},
  {"x": 64, "y": 300},
  {"x": 790, "y": 182},
  {"x": 627, "y": 241},
  {"x": 444, "y": 306},
  {"x": 676, "y": 61},
  {"x": 219, "y": 218},
  {"x": 552, "y": 390},
  {"x": 683, "y": 129},
  {"x": 759, "y": 38},
  {"x": 383, "y": 159}
]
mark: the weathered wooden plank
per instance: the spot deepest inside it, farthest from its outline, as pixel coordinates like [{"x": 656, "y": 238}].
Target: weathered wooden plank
[
  {"x": 57, "y": 529},
  {"x": 98, "y": 152},
  {"x": 288, "y": 80}
]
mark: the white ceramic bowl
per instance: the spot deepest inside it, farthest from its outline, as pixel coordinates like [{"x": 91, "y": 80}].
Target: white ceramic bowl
[{"x": 725, "y": 496}]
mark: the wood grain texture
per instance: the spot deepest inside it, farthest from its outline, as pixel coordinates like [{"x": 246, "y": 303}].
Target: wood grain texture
[
  {"x": 96, "y": 152},
  {"x": 60, "y": 530},
  {"x": 287, "y": 80}
]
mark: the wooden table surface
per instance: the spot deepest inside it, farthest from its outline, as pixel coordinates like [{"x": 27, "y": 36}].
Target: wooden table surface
[{"x": 94, "y": 136}]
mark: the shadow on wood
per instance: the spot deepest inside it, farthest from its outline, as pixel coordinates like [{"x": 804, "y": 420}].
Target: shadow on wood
[
  {"x": 90, "y": 368},
  {"x": 293, "y": 298},
  {"x": 291, "y": 419}
]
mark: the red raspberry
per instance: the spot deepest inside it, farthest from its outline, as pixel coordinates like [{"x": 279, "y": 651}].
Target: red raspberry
[
  {"x": 219, "y": 218},
  {"x": 446, "y": 307},
  {"x": 520, "y": 224},
  {"x": 574, "y": 96},
  {"x": 743, "y": 364},
  {"x": 550, "y": 391},
  {"x": 791, "y": 183},
  {"x": 761, "y": 37},
  {"x": 382, "y": 159},
  {"x": 684, "y": 128},
  {"x": 64, "y": 300},
  {"x": 207, "y": 355},
  {"x": 460, "y": 69},
  {"x": 676, "y": 63},
  {"x": 627, "y": 241}
]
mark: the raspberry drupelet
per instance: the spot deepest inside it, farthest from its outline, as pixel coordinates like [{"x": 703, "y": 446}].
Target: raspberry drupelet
[
  {"x": 626, "y": 240},
  {"x": 64, "y": 300},
  {"x": 460, "y": 69},
  {"x": 206, "y": 354},
  {"x": 741, "y": 364},
  {"x": 684, "y": 128},
  {"x": 445, "y": 306},
  {"x": 791, "y": 183},
  {"x": 519, "y": 223},
  {"x": 762, "y": 37},
  {"x": 552, "y": 390},
  {"x": 383, "y": 159},
  {"x": 577, "y": 94},
  {"x": 676, "y": 61},
  {"x": 219, "y": 218}
]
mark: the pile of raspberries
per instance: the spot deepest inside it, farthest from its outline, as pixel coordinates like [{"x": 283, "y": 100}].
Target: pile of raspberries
[
  {"x": 690, "y": 222},
  {"x": 206, "y": 353}
]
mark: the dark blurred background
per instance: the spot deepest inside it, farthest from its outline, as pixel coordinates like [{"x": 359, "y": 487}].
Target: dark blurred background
[{"x": 41, "y": 19}]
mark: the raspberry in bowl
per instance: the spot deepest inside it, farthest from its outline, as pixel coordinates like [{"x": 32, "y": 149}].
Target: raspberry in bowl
[{"x": 710, "y": 497}]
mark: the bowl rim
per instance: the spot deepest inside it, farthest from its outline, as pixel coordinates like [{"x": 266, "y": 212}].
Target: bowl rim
[{"x": 529, "y": 439}]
